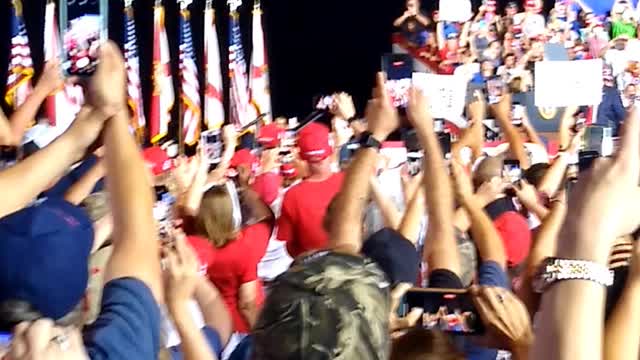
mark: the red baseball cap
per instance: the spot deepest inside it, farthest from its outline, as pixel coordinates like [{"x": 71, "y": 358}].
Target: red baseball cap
[
  {"x": 314, "y": 143},
  {"x": 288, "y": 171},
  {"x": 270, "y": 135},
  {"x": 157, "y": 160},
  {"x": 516, "y": 236},
  {"x": 244, "y": 157}
]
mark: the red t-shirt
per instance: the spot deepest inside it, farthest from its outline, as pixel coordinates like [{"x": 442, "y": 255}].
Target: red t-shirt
[
  {"x": 267, "y": 186},
  {"x": 303, "y": 210},
  {"x": 237, "y": 264}
]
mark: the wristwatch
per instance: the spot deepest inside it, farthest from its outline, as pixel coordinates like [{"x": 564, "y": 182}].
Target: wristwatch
[
  {"x": 368, "y": 141},
  {"x": 553, "y": 270}
]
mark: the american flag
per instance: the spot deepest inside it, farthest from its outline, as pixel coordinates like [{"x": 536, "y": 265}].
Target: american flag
[
  {"x": 134, "y": 89},
  {"x": 71, "y": 97},
  {"x": 259, "y": 81},
  {"x": 239, "y": 95},
  {"x": 190, "y": 87},
  {"x": 213, "y": 107},
  {"x": 20, "y": 64},
  {"x": 163, "y": 96}
]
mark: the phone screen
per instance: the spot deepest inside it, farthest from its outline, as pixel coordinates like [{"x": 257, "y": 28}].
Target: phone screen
[
  {"x": 84, "y": 26},
  {"x": 445, "y": 144},
  {"x": 324, "y": 103},
  {"x": 581, "y": 122},
  {"x": 399, "y": 69},
  {"x": 414, "y": 163},
  {"x": 8, "y": 156},
  {"x": 449, "y": 310},
  {"x": 163, "y": 211},
  {"x": 586, "y": 159},
  {"x": 511, "y": 170},
  {"x": 495, "y": 90},
  {"x": 211, "y": 145},
  {"x": 517, "y": 114}
]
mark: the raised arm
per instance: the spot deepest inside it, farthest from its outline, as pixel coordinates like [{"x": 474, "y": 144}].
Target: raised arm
[
  {"x": 135, "y": 240},
  {"x": 484, "y": 233},
  {"x": 544, "y": 245},
  {"x": 83, "y": 187},
  {"x": 22, "y": 182},
  {"x": 622, "y": 335},
  {"x": 346, "y": 231},
  {"x": 412, "y": 219},
  {"x": 604, "y": 207},
  {"x": 502, "y": 112},
  {"x": 440, "y": 240},
  {"x": 554, "y": 178},
  {"x": 25, "y": 115}
]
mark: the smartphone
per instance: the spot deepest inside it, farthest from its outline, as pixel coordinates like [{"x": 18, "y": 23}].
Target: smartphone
[
  {"x": 399, "y": 70},
  {"x": 8, "y": 156},
  {"x": 586, "y": 159},
  {"x": 84, "y": 27},
  {"x": 517, "y": 114},
  {"x": 445, "y": 144},
  {"x": 438, "y": 125},
  {"x": 324, "y": 102},
  {"x": 414, "y": 162},
  {"x": 581, "y": 122},
  {"x": 495, "y": 90},
  {"x": 211, "y": 145},
  {"x": 163, "y": 212},
  {"x": 511, "y": 170},
  {"x": 448, "y": 310}
]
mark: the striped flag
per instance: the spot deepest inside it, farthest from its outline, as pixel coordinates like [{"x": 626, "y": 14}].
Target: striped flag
[
  {"x": 259, "y": 81},
  {"x": 238, "y": 89},
  {"x": 190, "y": 96},
  {"x": 213, "y": 106},
  {"x": 134, "y": 89},
  {"x": 63, "y": 105},
  {"x": 163, "y": 96},
  {"x": 20, "y": 63}
]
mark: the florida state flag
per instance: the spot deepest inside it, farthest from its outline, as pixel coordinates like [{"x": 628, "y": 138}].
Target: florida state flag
[
  {"x": 213, "y": 107},
  {"x": 163, "y": 96}
]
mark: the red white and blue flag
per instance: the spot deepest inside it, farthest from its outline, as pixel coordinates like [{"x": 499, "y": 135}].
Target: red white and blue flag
[
  {"x": 20, "y": 63},
  {"x": 163, "y": 96},
  {"x": 190, "y": 95},
  {"x": 238, "y": 89},
  {"x": 63, "y": 105},
  {"x": 213, "y": 106},
  {"x": 259, "y": 81},
  {"x": 134, "y": 89}
]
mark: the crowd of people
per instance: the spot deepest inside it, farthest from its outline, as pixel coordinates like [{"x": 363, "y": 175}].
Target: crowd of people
[{"x": 305, "y": 247}]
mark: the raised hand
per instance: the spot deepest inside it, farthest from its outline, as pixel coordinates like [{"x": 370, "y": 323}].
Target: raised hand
[
  {"x": 51, "y": 78},
  {"x": 381, "y": 115},
  {"x": 343, "y": 106},
  {"x": 461, "y": 181},
  {"x": 398, "y": 325},
  {"x": 182, "y": 271},
  {"x": 109, "y": 84},
  {"x": 418, "y": 110},
  {"x": 505, "y": 318}
]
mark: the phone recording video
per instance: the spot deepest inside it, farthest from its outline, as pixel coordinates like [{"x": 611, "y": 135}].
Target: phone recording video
[
  {"x": 399, "y": 69},
  {"x": 414, "y": 162},
  {"x": 448, "y": 310},
  {"x": 84, "y": 27},
  {"x": 581, "y": 122},
  {"x": 324, "y": 103},
  {"x": 163, "y": 212},
  {"x": 495, "y": 90},
  {"x": 517, "y": 114},
  {"x": 211, "y": 145},
  {"x": 511, "y": 170}
]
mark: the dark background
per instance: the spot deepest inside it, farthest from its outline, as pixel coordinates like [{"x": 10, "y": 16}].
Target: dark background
[{"x": 314, "y": 47}]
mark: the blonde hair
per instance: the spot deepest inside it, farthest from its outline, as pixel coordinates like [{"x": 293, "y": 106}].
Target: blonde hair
[{"x": 215, "y": 218}]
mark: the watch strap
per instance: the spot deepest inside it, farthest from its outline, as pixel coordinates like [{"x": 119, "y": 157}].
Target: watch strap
[{"x": 553, "y": 270}]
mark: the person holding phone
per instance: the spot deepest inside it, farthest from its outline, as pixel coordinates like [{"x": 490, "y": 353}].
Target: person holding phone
[{"x": 413, "y": 24}]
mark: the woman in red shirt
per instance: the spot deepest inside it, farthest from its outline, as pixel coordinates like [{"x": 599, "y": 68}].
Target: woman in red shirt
[{"x": 236, "y": 251}]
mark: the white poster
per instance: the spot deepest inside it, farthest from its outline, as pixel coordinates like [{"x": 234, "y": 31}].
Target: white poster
[
  {"x": 568, "y": 83},
  {"x": 455, "y": 10},
  {"x": 446, "y": 94}
]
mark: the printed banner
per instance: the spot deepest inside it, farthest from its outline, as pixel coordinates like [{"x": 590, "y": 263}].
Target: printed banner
[
  {"x": 446, "y": 94},
  {"x": 455, "y": 10},
  {"x": 568, "y": 83}
]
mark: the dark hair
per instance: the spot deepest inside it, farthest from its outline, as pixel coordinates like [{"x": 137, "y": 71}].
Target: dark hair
[
  {"x": 422, "y": 344},
  {"x": 535, "y": 173},
  {"x": 13, "y": 312}
]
